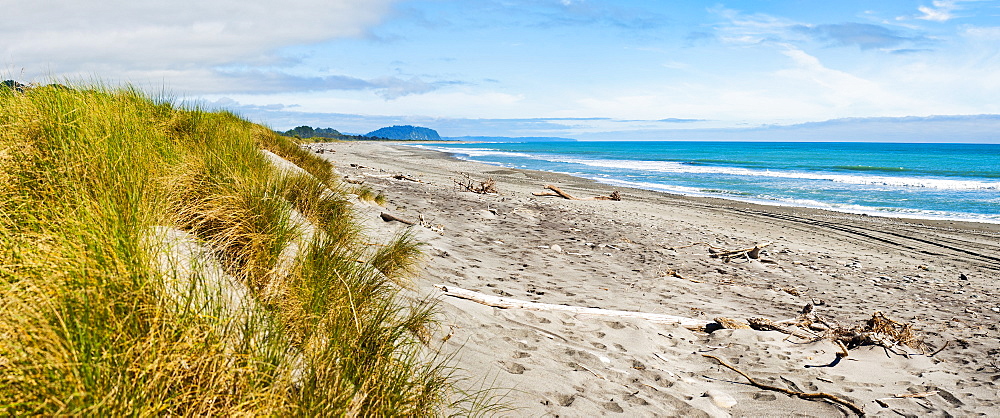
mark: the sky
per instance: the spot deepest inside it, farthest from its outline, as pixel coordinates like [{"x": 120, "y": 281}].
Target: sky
[{"x": 582, "y": 69}]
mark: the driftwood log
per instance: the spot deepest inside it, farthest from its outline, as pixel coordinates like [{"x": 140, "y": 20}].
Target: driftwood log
[
  {"x": 389, "y": 218},
  {"x": 353, "y": 181},
  {"x": 511, "y": 303},
  {"x": 406, "y": 177},
  {"x": 555, "y": 191}
]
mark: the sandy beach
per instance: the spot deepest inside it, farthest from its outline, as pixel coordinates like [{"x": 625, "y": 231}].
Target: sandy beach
[{"x": 650, "y": 253}]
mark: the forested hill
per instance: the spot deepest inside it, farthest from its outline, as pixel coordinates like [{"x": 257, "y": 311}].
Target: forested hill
[
  {"x": 393, "y": 133},
  {"x": 406, "y": 132},
  {"x": 307, "y": 132}
]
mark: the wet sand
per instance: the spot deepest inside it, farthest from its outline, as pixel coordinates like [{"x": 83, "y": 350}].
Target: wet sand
[{"x": 637, "y": 255}]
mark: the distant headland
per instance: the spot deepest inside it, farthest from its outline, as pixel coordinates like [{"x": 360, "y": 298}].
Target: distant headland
[{"x": 404, "y": 133}]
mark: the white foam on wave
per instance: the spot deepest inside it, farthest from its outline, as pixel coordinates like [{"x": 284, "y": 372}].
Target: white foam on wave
[
  {"x": 808, "y": 203},
  {"x": 466, "y": 153},
  {"x": 681, "y": 168},
  {"x": 675, "y": 167}
]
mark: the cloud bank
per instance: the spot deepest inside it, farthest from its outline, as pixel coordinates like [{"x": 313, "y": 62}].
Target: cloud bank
[{"x": 185, "y": 42}]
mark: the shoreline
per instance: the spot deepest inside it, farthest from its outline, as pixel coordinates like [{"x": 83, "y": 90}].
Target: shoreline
[
  {"x": 949, "y": 216},
  {"x": 719, "y": 200},
  {"x": 939, "y": 276}
]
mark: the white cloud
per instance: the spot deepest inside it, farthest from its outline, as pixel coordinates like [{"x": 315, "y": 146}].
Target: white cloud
[
  {"x": 740, "y": 28},
  {"x": 459, "y": 102},
  {"x": 115, "y": 38},
  {"x": 941, "y": 12},
  {"x": 981, "y": 33},
  {"x": 944, "y": 10},
  {"x": 834, "y": 88}
]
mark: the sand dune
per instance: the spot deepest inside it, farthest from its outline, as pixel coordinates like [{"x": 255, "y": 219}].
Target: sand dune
[{"x": 939, "y": 276}]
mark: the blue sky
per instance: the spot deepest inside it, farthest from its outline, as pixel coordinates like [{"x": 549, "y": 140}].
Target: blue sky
[{"x": 570, "y": 68}]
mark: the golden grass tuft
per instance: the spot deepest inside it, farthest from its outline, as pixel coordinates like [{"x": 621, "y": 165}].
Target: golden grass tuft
[{"x": 92, "y": 324}]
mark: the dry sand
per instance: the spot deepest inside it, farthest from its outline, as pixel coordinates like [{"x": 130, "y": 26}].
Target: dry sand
[{"x": 940, "y": 276}]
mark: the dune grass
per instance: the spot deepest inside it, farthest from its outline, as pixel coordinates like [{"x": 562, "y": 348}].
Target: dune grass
[{"x": 288, "y": 314}]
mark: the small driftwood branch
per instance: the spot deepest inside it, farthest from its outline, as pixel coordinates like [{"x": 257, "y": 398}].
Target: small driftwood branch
[
  {"x": 406, "y": 177},
  {"x": 915, "y": 395},
  {"x": 817, "y": 395},
  {"x": 615, "y": 196},
  {"x": 695, "y": 243},
  {"x": 555, "y": 191},
  {"x": 389, "y": 218},
  {"x": 940, "y": 349},
  {"x": 511, "y": 303},
  {"x": 764, "y": 324},
  {"x": 728, "y": 323},
  {"x": 843, "y": 350},
  {"x": 673, "y": 273}
]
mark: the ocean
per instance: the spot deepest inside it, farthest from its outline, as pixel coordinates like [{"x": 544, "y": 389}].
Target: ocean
[{"x": 931, "y": 181}]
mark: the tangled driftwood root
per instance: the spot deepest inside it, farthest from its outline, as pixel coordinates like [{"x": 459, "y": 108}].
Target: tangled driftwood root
[
  {"x": 879, "y": 330},
  {"x": 555, "y": 191},
  {"x": 481, "y": 187},
  {"x": 804, "y": 395},
  {"x": 752, "y": 253}
]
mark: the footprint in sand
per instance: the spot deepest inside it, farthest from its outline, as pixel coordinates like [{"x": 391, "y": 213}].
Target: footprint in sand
[
  {"x": 513, "y": 368},
  {"x": 565, "y": 400},
  {"x": 613, "y": 407},
  {"x": 764, "y": 396},
  {"x": 634, "y": 400},
  {"x": 521, "y": 345},
  {"x": 616, "y": 325}
]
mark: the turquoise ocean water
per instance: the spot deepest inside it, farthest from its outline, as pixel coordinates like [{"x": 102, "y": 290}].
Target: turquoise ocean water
[{"x": 940, "y": 181}]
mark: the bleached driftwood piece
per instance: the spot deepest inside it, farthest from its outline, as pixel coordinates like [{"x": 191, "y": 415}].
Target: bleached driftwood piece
[
  {"x": 555, "y": 191},
  {"x": 511, "y": 303}
]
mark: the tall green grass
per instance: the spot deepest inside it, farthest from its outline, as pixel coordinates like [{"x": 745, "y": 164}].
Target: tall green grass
[{"x": 91, "y": 323}]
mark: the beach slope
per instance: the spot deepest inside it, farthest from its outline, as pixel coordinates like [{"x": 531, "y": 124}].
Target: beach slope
[{"x": 652, "y": 253}]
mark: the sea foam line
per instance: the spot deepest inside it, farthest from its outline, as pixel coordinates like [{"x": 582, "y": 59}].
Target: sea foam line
[
  {"x": 681, "y": 168},
  {"x": 674, "y": 167},
  {"x": 465, "y": 153},
  {"x": 809, "y": 203}
]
